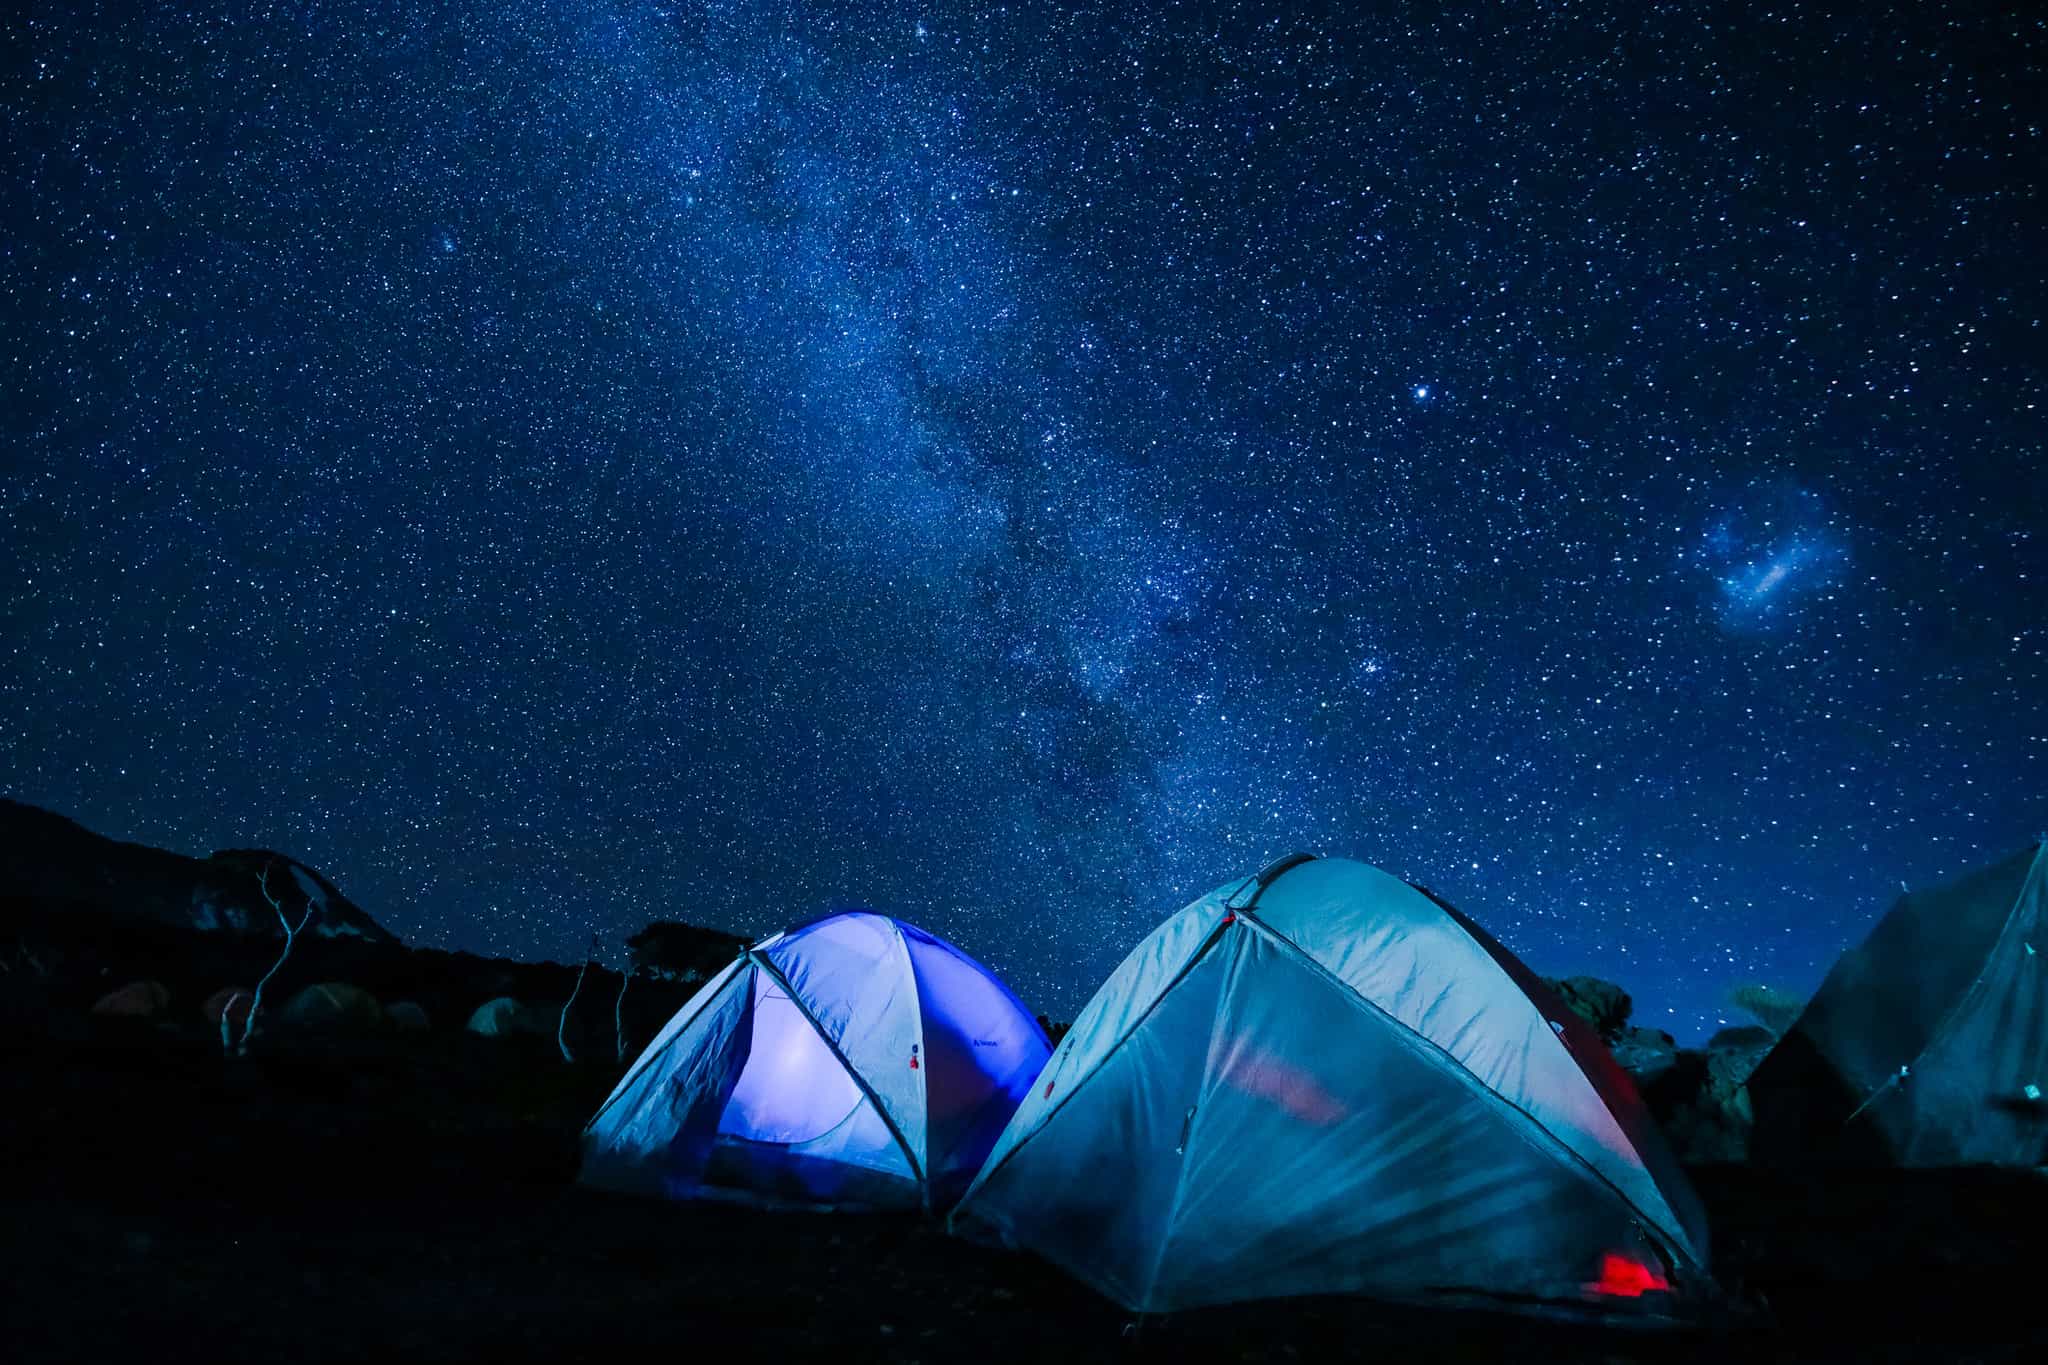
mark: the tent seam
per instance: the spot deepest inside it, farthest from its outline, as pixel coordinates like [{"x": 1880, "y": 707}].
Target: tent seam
[
  {"x": 1202, "y": 1086},
  {"x": 918, "y": 1056},
  {"x": 1228, "y": 905},
  {"x": 648, "y": 1056},
  {"x": 1954, "y": 1012},
  {"x": 1209, "y": 940},
  {"x": 1479, "y": 938},
  {"x": 882, "y": 1110}
]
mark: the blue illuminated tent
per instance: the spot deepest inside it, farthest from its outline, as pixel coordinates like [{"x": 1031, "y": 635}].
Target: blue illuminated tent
[
  {"x": 851, "y": 1062},
  {"x": 1324, "y": 1080}
]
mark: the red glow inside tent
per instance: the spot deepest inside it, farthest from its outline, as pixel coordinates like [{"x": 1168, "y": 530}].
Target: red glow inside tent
[{"x": 1624, "y": 1277}]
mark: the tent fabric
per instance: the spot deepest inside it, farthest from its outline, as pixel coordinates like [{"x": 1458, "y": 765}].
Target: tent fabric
[
  {"x": 1616, "y": 1090},
  {"x": 852, "y": 1062},
  {"x": 1320, "y": 1081},
  {"x": 852, "y": 973},
  {"x": 1922, "y": 1043}
]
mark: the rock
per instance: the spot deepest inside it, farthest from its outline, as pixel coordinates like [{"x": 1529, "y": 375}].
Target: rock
[
  {"x": 504, "y": 1017},
  {"x": 1645, "y": 1054},
  {"x": 232, "y": 1001},
  {"x": 333, "y": 1007},
  {"x": 1602, "y": 1004},
  {"x": 1706, "y": 1134},
  {"x": 136, "y": 1000},
  {"x": 407, "y": 1016},
  {"x": 670, "y": 950},
  {"x": 1734, "y": 1053},
  {"x": 1703, "y": 1106},
  {"x": 1775, "y": 1009},
  {"x": 234, "y": 878}
]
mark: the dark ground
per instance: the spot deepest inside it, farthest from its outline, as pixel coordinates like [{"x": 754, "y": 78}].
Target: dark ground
[{"x": 412, "y": 1198}]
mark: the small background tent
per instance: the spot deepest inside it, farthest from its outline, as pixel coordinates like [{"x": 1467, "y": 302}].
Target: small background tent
[
  {"x": 1322, "y": 1080},
  {"x": 1927, "y": 1044},
  {"x": 855, "y": 1061}
]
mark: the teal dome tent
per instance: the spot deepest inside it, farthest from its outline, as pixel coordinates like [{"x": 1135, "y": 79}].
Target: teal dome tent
[{"x": 1323, "y": 1080}]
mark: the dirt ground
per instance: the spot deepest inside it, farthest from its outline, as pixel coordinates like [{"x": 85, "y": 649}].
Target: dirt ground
[{"x": 405, "y": 1199}]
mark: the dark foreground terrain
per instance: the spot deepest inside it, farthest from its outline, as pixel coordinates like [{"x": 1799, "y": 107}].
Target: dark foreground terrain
[{"x": 397, "y": 1199}]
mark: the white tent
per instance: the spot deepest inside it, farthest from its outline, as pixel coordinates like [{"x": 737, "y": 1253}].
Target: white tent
[
  {"x": 855, "y": 1061},
  {"x": 1322, "y": 1080}
]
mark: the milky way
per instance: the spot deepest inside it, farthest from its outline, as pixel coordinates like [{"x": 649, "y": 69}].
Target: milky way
[{"x": 556, "y": 466}]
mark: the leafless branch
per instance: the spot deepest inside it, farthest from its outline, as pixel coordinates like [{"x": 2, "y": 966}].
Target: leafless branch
[
  {"x": 291, "y": 935},
  {"x": 619, "y": 1013},
  {"x": 562, "y": 1024}
]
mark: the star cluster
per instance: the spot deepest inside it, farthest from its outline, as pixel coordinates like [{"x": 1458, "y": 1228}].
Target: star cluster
[{"x": 557, "y": 465}]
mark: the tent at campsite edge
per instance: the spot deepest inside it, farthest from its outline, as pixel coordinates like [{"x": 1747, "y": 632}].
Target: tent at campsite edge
[
  {"x": 1323, "y": 1080},
  {"x": 853, "y": 1061},
  {"x": 1927, "y": 1043}
]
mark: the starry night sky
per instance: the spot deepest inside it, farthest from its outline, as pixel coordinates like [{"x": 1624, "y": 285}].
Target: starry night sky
[{"x": 553, "y": 466}]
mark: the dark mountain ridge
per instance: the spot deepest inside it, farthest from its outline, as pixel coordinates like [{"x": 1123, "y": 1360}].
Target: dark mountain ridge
[
  {"x": 52, "y": 859},
  {"x": 82, "y": 915}
]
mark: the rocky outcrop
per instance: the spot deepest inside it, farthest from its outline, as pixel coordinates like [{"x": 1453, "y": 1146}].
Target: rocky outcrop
[
  {"x": 686, "y": 954},
  {"x": 1704, "y": 1118},
  {"x": 222, "y": 900},
  {"x": 81, "y": 914},
  {"x": 53, "y": 861},
  {"x": 505, "y": 1017},
  {"x": 1646, "y": 1054},
  {"x": 1735, "y": 1052},
  {"x": 231, "y": 1003},
  {"x": 407, "y": 1016},
  {"x": 136, "y": 1000},
  {"x": 332, "y": 1007},
  {"x": 1698, "y": 1096},
  {"x": 1602, "y": 1004}
]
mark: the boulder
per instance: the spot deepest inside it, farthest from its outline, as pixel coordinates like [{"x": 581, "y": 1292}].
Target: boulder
[
  {"x": 1602, "y": 1004},
  {"x": 1775, "y": 1009},
  {"x": 407, "y": 1016},
  {"x": 670, "y": 950},
  {"x": 231, "y": 1001},
  {"x": 504, "y": 1017},
  {"x": 1734, "y": 1053},
  {"x": 1703, "y": 1106},
  {"x": 332, "y": 1007},
  {"x": 136, "y": 1000},
  {"x": 1646, "y": 1054},
  {"x": 1711, "y": 1131}
]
